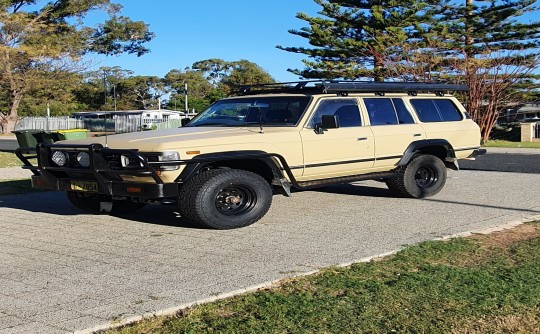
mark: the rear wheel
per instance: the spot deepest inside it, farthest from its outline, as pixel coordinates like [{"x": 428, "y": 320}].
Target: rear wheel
[
  {"x": 423, "y": 176},
  {"x": 92, "y": 203},
  {"x": 225, "y": 198}
]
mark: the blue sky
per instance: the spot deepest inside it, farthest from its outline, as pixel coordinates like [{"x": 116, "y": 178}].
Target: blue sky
[{"x": 188, "y": 31}]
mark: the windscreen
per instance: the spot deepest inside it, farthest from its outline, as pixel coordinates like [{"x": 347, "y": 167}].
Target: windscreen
[{"x": 255, "y": 110}]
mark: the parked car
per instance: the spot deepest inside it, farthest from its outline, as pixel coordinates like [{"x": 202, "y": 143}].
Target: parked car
[{"x": 223, "y": 167}]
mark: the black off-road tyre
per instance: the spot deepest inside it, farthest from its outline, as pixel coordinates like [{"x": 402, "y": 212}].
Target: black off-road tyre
[
  {"x": 90, "y": 203},
  {"x": 423, "y": 176},
  {"x": 225, "y": 198}
]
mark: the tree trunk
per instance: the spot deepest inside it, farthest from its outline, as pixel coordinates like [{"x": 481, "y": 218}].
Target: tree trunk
[
  {"x": 378, "y": 70},
  {"x": 8, "y": 122}
]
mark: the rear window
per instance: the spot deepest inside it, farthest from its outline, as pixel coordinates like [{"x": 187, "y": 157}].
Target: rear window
[{"x": 436, "y": 110}]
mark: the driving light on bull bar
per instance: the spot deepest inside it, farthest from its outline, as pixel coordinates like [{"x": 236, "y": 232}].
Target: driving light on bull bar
[
  {"x": 83, "y": 158},
  {"x": 59, "y": 158}
]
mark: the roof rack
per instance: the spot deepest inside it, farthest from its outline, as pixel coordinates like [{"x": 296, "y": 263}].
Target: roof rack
[{"x": 345, "y": 87}]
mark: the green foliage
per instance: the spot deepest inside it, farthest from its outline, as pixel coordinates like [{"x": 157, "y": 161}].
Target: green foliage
[
  {"x": 357, "y": 39},
  {"x": 39, "y": 40}
]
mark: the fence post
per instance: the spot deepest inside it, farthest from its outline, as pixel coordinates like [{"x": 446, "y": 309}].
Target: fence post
[{"x": 526, "y": 132}]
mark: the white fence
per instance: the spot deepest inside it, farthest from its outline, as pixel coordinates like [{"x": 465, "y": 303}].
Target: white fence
[
  {"x": 536, "y": 130},
  {"x": 117, "y": 124},
  {"x": 49, "y": 123}
]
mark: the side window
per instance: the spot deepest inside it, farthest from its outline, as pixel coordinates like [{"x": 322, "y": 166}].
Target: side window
[
  {"x": 386, "y": 111},
  {"x": 381, "y": 111},
  {"x": 436, "y": 110},
  {"x": 346, "y": 110},
  {"x": 404, "y": 116},
  {"x": 449, "y": 111}
]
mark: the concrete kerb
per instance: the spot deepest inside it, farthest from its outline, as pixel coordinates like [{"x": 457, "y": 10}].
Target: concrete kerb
[{"x": 174, "y": 310}]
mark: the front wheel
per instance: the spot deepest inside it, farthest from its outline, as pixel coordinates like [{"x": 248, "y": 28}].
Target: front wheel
[
  {"x": 423, "y": 176},
  {"x": 91, "y": 203},
  {"x": 225, "y": 198}
]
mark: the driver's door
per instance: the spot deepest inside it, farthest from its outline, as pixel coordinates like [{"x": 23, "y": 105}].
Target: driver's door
[{"x": 346, "y": 150}]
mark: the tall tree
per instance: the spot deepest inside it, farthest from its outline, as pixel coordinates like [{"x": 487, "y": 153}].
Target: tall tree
[
  {"x": 495, "y": 52},
  {"x": 357, "y": 38},
  {"x": 145, "y": 91},
  {"x": 38, "y": 38},
  {"x": 199, "y": 89},
  {"x": 244, "y": 72}
]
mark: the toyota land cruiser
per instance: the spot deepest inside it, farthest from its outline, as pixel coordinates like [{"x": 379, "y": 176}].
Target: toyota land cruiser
[{"x": 223, "y": 167}]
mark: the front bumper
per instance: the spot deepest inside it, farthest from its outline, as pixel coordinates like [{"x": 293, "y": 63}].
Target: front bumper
[{"x": 105, "y": 178}]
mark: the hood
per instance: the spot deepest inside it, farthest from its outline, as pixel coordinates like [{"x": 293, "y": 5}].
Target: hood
[{"x": 157, "y": 140}]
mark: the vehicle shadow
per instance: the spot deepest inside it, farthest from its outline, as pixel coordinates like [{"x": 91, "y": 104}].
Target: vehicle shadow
[
  {"x": 56, "y": 203},
  {"x": 356, "y": 190}
]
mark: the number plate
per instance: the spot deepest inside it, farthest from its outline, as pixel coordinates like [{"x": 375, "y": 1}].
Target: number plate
[{"x": 84, "y": 186}]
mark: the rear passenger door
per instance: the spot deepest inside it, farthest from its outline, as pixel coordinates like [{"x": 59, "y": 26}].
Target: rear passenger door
[{"x": 393, "y": 128}]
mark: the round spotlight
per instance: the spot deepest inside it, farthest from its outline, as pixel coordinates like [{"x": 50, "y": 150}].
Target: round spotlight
[
  {"x": 83, "y": 159},
  {"x": 59, "y": 158}
]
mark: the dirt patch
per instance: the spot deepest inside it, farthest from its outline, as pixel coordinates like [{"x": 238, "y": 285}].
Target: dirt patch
[{"x": 508, "y": 238}]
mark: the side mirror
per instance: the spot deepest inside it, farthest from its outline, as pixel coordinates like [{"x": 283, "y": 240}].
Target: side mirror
[
  {"x": 329, "y": 122},
  {"x": 185, "y": 121}
]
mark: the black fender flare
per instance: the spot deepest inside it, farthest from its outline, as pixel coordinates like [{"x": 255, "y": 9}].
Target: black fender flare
[
  {"x": 194, "y": 165},
  {"x": 422, "y": 145}
]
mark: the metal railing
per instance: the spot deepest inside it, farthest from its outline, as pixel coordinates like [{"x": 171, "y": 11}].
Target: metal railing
[{"x": 536, "y": 130}]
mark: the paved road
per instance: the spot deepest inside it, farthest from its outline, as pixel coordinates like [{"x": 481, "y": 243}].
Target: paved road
[
  {"x": 506, "y": 160},
  {"x": 8, "y": 144},
  {"x": 62, "y": 271}
]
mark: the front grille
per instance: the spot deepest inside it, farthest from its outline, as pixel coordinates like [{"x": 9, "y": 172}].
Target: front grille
[{"x": 114, "y": 161}]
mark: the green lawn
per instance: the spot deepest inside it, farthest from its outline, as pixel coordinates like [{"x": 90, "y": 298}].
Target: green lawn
[
  {"x": 9, "y": 160},
  {"x": 481, "y": 284},
  {"x": 510, "y": 144}
]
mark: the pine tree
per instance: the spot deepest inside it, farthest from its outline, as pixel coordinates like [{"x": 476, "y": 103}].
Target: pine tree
[
  {"x": 358, "y": 39},
  {"x": 495, "y": 52}
]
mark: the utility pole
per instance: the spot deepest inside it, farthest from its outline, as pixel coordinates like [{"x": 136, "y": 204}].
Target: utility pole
[
  {"x": 114, "y": 96},
  {"x": 186, "y": 98},
  {"x": 104, "y": 87}
]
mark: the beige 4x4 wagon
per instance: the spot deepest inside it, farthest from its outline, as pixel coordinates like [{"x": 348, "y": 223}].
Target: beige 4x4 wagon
[{"x": 223, "y": 167}]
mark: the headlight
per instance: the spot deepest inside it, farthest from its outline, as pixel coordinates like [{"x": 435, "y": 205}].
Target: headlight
[
  {"x": 129, "y": 161},
  {"x": 169, "y": 156},
  {"x": 83, "y": 158},
  {"x": 59, "y": 158}
]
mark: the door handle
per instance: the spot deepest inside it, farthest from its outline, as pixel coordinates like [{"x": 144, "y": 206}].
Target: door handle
[
  {"x": 417, "y": 135},
  {"x": 362, "y": 138}
]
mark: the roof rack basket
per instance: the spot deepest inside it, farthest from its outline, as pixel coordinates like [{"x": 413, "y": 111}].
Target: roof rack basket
[{"x": 345, "y": 87}]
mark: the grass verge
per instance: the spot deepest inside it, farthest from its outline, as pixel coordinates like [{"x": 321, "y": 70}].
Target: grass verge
[
  {"x": 511, "y": 144},
  {"x": 480, "y": 284},
  {"x": 17, "y": 187},
  {"x": 9, "y": 160}
]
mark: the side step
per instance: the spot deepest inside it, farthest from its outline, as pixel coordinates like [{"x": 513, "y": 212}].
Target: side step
[{"x": 344, "y": 179}]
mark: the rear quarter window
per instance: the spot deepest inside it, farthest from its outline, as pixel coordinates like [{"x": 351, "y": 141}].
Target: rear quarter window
[{"x": 436, "y": 110}]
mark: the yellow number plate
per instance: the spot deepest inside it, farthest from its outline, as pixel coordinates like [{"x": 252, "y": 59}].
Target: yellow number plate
[{"x": 84, "y": 186}]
